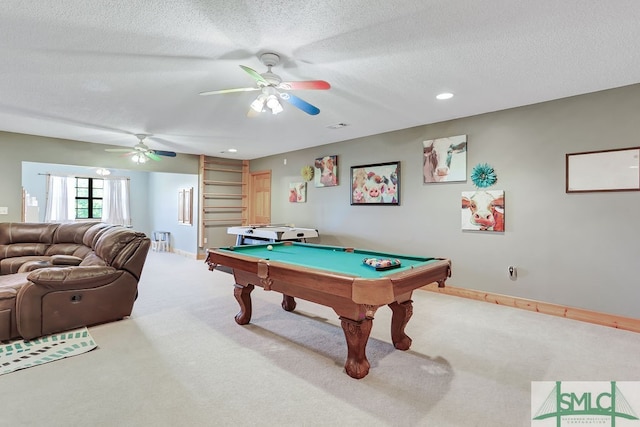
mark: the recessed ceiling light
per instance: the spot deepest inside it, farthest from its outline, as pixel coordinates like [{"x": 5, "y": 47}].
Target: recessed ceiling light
[
  {"x": 445, "y": 95},
  {"x": 232, "y": 150}
]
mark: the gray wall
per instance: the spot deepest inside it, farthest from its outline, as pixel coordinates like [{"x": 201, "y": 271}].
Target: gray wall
[{"x": 579, "y": 250}]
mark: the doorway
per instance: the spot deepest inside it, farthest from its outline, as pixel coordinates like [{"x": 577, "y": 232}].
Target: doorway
[{"x": 260, "y": 198}]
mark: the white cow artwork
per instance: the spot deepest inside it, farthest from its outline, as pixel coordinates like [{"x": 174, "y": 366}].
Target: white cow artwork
[
  {"x": 483, "y": 210},
  {"x": 445, "y": 159},
  {"x": 298, "y": 192}
]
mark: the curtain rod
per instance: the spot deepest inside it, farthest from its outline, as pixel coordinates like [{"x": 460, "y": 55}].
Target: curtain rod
[{"x": 76, "y": 176}]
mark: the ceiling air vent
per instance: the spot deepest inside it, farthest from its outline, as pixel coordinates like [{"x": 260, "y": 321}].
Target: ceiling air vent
[{"x": 337, "y": 126}]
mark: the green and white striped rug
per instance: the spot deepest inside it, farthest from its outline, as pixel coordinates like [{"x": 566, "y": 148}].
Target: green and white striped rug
[{"x": 25, "y": 354}]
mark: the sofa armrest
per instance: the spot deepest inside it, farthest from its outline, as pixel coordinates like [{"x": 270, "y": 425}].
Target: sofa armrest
[
  {"x": 76, "y": 277},
  {"x": 65, "y": 260}
]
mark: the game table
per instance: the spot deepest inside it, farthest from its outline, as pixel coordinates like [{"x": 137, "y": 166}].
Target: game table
[
  {"x": 335, "y": 277},
  {"x": 257, "y": 234}
]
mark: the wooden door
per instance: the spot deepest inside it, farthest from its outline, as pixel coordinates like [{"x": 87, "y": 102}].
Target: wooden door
[{"x": 260, "y": 197}]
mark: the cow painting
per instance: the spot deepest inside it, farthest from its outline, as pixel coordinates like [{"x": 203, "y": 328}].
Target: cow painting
[
  {"x": 376, "y": 184},
  {"x": 326, "y": 173},
  {"x": 483, "y": 210},
  {"x": 298, "y": 192},
  {"x": 445, "y": 159}
]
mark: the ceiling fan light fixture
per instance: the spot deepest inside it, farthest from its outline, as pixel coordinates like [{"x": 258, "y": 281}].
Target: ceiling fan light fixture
[
  {"x": 258, "y": 104},
  {"x": 139, "y": 159},
  {"x": 274, "y": 104}
]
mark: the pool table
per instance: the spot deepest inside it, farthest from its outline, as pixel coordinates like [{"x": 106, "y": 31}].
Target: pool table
[{"x": 335, "y": 277}]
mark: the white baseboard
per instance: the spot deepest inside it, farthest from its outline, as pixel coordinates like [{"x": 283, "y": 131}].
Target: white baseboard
[{"x": 185, "y": 253}]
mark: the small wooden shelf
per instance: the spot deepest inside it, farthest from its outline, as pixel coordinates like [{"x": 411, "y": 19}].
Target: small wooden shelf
[{"x": 223, "y": 183}]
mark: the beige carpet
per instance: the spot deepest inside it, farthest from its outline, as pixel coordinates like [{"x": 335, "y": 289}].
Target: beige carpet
[{"x": 181, "y": 360}]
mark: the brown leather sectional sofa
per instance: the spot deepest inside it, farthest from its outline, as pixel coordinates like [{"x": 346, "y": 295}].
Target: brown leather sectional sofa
[{"x": 57, "y": 277}]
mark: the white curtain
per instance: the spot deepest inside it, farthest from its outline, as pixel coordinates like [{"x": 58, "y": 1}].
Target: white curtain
[
  {"x": 60, "y": 199},
  {"x": 115, "y": 201}
]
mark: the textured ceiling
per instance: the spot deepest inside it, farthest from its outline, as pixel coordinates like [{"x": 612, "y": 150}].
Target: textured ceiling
[{"x": 103, "y": 70}]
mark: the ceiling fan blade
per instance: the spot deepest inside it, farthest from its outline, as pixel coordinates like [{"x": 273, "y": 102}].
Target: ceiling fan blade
[
  {"x": 152, "y": 156},
  {"x": 300, "y": 103},
  {"x": 164, "y": 153},
  {"x": 305, "y": 85},
  {"x": 240, "y": 89},
  {"x": 253, "y": 73}
]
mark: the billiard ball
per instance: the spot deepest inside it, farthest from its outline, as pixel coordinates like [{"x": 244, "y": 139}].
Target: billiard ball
[{"x": 269, "y": 248}]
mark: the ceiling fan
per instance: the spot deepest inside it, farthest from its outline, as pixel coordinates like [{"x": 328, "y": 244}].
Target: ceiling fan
[
  {"x": 270, "y": 85},
  {"x": 141, "y": 152}
]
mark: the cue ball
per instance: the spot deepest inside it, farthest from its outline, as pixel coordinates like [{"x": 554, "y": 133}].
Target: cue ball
[{"x": 269, "y": 248}]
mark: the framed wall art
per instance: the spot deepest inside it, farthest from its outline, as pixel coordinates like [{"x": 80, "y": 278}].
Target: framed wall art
[
  {"x": 605, "y": 170},
  {"x": 185, "y": 206},
  {"x": 326, "y": 171},
  {"x": 483, "y": 210},
  {"x": 298, "y": 192},
  {"x": 445, "y": 159},
  {"x": 377, "y": 184}
]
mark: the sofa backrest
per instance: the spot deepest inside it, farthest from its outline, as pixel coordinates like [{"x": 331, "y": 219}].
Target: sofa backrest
[
  {"x": 123, "y": 249},
  {"x": 72, "y": 232},
  {"x": 94, "y": 232},
  {"x": 25, "y": 239},
  {"x": 96, "y": 243},
  {"x": 26, "y": 232}
]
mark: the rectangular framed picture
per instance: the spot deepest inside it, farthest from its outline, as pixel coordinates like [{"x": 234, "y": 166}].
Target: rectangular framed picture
[
  {"x": 483, "y": 210},
  {"x": 297, "y": 192},
  {"x": 326, "y": 171},
  {"x": 606, "y": 170},
  {"x": 185, "y": 206},
  {"x": 377, "y": 184},
  {"x": 445, "y": 159}
]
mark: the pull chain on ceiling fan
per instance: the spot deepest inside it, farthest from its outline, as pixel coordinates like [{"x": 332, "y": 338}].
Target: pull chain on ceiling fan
[
  {"x": 140, "y": 152},
  {"x": 270, "y": 85}
]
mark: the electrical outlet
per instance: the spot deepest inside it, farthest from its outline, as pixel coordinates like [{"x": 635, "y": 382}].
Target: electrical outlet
[{"x": 4, "y": 210}]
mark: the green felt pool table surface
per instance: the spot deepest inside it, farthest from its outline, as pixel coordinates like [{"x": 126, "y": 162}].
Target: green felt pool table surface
[{"x": 330, "y": 258}]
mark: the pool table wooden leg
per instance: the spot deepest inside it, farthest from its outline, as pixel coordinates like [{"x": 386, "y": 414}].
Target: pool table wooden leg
[
  {"x": 243, "y": 296},
  {"x": 402, "y": 312},
  {"x": 288, "y": 303},
  {"x": 357, "y": 335}
]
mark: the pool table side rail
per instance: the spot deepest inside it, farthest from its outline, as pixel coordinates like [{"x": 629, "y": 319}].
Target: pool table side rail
[{"x": 373, "y": 291}]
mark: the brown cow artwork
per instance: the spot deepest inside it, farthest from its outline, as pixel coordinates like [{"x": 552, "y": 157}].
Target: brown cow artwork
[
  {"x": 445, "y": 159},
  {"x": 326, "y": 171},
  {"x": 483, "y": 210}
]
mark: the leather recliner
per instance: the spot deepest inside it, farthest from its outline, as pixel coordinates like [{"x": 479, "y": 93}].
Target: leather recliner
[{"x": 42, "y": 292}]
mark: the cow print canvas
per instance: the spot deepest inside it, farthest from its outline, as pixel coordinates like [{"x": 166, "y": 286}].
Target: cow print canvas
[
  {"x": 445, "y": 159},
  {"x": 483, "y": 210},
  {"x": 326, "y": 171},
  {"x": 297, "y": 192}
]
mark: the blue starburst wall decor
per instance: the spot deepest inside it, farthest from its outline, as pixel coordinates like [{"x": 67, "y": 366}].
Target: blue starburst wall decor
[{"x": 483, "y": 175}]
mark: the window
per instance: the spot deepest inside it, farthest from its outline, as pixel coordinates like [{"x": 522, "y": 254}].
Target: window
[{"x": 89, "y": 193}]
